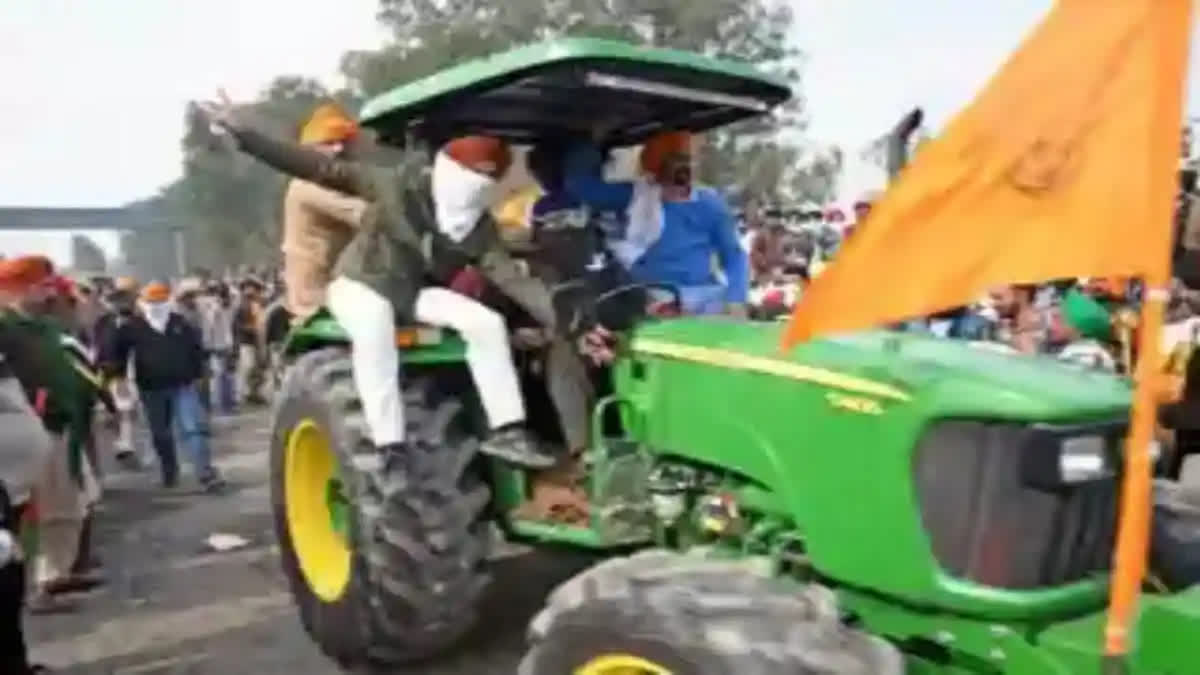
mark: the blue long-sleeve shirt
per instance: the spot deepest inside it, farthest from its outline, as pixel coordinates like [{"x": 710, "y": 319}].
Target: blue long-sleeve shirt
[{"x": 692, "y": 230}]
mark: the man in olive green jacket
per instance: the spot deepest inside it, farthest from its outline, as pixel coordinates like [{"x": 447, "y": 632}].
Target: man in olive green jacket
[{"x": 404, "y": 237}]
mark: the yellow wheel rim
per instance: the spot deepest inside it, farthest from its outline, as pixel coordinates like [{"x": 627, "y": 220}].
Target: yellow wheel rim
[
  {"x": 620, "y": 664},
  {"x": 317, "y": 511}
]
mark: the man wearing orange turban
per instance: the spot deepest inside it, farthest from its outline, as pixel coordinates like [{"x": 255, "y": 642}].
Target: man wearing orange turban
[
  {"x": 32, "y": 347},
  {"x": 383, "y": 272},
  {"x": 317, "y": 222},
  {"x": 26, "y": 445},
  {"x": 168, "y": 364},
  {"x": 673, "y": 230}
]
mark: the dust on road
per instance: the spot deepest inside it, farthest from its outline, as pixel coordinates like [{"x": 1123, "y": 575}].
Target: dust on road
[{"x": 171, "y": 605}]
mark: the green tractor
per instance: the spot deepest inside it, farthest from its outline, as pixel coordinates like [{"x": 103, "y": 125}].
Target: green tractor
[{"x": 877, "y": 503}]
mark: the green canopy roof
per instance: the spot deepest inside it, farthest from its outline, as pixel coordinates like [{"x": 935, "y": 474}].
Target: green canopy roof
[{"x": 567, "y": 87}]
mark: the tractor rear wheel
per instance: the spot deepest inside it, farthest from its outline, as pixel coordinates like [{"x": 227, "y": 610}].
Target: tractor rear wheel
[
  {"x": 383, "y": 556},
  {"x": 662, "y": 613}
]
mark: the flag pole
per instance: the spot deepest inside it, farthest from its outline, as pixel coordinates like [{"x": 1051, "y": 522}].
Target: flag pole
[{"x": 1133, "y": 532}]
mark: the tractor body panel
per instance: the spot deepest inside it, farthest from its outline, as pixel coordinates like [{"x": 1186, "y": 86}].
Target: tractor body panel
[{"x": 828, "y": 433}]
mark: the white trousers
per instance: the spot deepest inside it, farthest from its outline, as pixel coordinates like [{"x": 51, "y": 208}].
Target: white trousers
[{"x": 369, "y": 320}]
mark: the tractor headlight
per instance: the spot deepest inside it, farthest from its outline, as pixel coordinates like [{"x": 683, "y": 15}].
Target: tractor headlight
[
  {"x": 1083, "y": 459},
  {"x": 1056, "y": 458}
]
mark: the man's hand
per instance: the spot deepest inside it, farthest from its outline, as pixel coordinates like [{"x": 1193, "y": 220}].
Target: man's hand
[
  {"x": 737, "y": 310},
  {"x": 597, "y": 345},
  {"x": 221, "y": 114}
]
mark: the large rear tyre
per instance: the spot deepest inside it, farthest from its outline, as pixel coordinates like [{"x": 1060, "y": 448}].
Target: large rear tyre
[
  {"x": 661, "y": 613},
  {"x": 383, "y": 557}
]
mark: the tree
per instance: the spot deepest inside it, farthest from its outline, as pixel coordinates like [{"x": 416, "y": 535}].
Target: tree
[
  {"x": 86, "y": 255},
  {"x": 227, "y": 204}
]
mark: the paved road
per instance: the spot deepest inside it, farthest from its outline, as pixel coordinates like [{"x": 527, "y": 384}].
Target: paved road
[{"x": 173, "y": 606}]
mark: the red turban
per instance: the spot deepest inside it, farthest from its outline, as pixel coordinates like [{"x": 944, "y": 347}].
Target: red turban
[
  {"x": 21, "y": 274},
  {"x": 663, "y": 145},
  {"x": 482, "y": 154}
]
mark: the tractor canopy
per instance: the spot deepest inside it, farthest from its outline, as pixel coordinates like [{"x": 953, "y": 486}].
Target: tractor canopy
[{"x": 569, "y": 87}]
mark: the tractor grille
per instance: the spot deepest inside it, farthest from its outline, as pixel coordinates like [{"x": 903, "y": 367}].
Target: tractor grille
[{"x": 987, "y": 526}]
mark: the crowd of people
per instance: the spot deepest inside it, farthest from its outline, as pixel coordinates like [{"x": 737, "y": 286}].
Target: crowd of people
[{"x": 70, "y": 349}]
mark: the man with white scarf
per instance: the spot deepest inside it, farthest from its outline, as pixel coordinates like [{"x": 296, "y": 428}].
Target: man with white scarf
[
  {"x": 168, "y": 357},
  {"x": 674, "y": 229},
  {"x": 403, "y": 239}
]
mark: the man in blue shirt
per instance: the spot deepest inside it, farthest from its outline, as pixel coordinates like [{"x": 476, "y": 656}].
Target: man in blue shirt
[{"x": 672, "y": 228}]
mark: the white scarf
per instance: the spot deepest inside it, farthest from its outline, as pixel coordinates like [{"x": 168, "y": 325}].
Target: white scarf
[
  {"x": 460, "y": 196},
  {"x": 645, "y": 222},
  {"x": 157, "y": 314}
]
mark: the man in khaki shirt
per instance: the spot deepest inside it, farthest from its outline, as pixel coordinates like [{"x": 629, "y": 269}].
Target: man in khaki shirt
[{"x": 317, "y": 222}]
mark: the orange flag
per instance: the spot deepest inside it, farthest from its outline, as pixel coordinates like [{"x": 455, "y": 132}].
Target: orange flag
[{"x": 1063, "y": 166}]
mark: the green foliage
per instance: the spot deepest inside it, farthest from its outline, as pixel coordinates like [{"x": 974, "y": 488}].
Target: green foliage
[{"x": 230, "y": 206}]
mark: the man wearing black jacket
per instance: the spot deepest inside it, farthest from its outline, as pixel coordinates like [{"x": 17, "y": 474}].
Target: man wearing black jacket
[{"x": 168, "y": 360}]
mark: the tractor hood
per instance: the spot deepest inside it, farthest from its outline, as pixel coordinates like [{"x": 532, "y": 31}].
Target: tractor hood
[{"x": 897, "y": 366}]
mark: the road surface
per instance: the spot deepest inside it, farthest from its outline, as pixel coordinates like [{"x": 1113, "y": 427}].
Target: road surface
[{"x": 173, "y": 605}]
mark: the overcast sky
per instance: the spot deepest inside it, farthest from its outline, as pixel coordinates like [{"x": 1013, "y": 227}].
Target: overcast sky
[{"x": 93, "y": 92}]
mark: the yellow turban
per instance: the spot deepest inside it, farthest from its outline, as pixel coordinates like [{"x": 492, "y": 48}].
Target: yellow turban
[
  {"x": 328, "y": 124},
  {"x": 156, "y": 292}
]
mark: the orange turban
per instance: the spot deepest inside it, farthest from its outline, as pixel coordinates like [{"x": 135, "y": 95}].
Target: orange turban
[
  {"x": 156, "y": 292},
  {"x": 663, "y": 145},
  {"x": 328, "y": 124},
  {"x": 20, "y": 274},
  {"x": 483, "y": 154}
]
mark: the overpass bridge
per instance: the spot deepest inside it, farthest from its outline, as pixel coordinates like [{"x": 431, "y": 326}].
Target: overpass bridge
[{"x": 127, "y": 219}]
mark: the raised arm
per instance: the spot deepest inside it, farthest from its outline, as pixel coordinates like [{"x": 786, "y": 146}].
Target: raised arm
[
  {"x": 583, "y": 180},
  {"x": 729, "y": 250},
  {"x": 305, "y": 163}
]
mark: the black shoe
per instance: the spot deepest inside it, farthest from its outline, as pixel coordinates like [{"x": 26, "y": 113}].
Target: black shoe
[
  {"x": 212, "y": 482},
  {"x": 514, "y": 444},
  {"x": 129, "y": 461}
]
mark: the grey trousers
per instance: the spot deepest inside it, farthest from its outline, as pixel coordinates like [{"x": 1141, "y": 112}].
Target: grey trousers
[{"x": 566, "y": 375}]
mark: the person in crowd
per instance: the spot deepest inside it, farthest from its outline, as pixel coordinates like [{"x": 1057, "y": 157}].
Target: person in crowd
[
  {"x": 382, "y": 273},
  {"x": 1021, "y": 326},
  {"x": 217, "y": 334},
  {"x": 248, "y": 336},
  {"x": 119, "y": 308},
  {"x": 32, "y": 345},
  {"x": 168, "y": 358},
  {"x": 318, "y": 222},
  {"x": 188, "y": 304},
  {"x": 25, "y": 447},
  {"x": 61, "y": 306},
  {"x": 767, "y": 252},
  {"x": 673, "y": 228},
  {"x": 1081, "y": 332},
  {"x": 88, "y": 310}
]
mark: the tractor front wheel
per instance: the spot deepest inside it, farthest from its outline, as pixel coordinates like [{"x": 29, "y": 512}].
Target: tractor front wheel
[
  {"x": 662, "y": 613},
  {"x": 383, "y": 555}
]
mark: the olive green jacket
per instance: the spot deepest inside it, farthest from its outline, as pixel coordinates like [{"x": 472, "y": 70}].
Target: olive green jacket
[{"x": 397, "y": 247}]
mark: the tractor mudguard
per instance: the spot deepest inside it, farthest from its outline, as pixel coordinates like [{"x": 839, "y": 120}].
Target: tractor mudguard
[{"x": 418, "y": 344}]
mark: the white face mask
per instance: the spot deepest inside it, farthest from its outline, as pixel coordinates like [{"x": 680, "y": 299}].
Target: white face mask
[
  {"x": 460, "y": 196},
  {"x": 157, "y": 314}
]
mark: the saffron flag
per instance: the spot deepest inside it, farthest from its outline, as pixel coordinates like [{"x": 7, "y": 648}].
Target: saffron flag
[{"x": 1063, "y": 166}]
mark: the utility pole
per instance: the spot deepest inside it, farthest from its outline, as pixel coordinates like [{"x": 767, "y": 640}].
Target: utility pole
[{"x": 180, "y": 251}]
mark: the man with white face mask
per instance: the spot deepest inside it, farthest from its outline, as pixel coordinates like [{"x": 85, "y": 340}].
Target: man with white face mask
[
  {"x": 168, "y": 357},
  {"x": 404, "y": 238}
]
